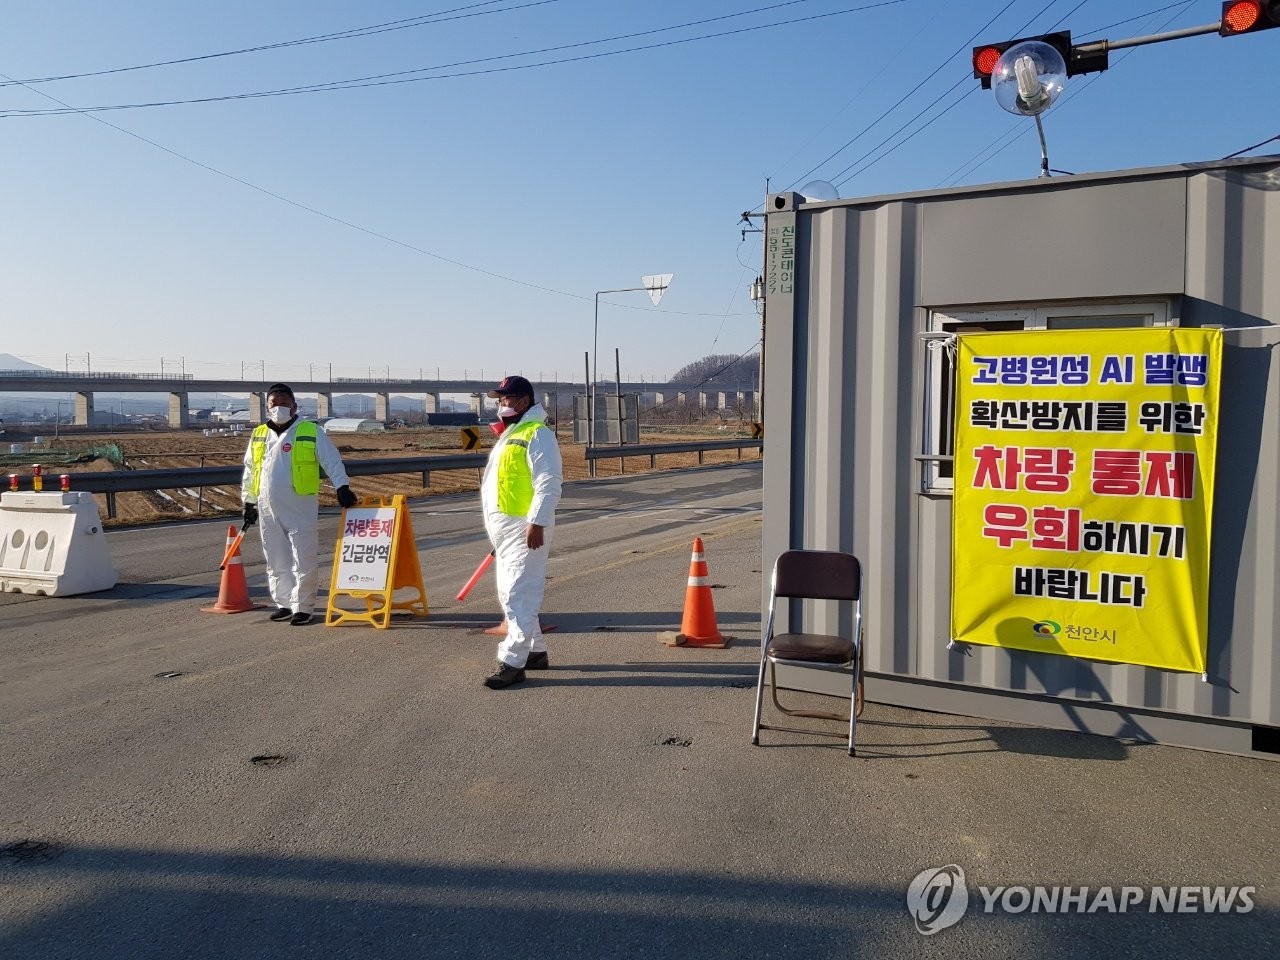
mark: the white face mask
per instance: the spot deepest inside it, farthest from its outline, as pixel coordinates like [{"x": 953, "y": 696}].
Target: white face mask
[
  {"x": 280, "y": 415},
  {"x": 507, "y": 413}
]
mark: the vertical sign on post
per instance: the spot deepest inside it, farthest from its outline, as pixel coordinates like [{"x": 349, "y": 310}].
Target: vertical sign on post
[
  {"x": 1084, "y": 474},
  {"x": 376, "y": 555}
]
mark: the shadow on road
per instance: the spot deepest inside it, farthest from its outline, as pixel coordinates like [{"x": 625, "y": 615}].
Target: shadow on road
[{"x": 161, "y": 904}]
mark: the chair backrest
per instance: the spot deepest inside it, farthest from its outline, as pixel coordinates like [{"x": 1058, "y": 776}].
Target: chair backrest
[{"x": 820, "y": 574}]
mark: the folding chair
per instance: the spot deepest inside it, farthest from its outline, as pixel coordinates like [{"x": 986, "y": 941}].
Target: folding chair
[{"x": 816, "y": 575}]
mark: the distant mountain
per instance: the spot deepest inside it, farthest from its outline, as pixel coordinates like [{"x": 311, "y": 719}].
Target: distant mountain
[{"x": 9, "y": 362}]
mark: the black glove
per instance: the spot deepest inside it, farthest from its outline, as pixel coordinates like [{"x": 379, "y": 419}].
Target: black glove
[
  {"x": 346, "y": 498},
  {"x": 250, "y": 515}
]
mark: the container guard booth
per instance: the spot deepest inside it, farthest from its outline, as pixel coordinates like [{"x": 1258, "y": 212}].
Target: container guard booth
[{"x": 880, "y": 313}]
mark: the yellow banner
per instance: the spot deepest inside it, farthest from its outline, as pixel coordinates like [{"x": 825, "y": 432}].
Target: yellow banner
[{"x": 1084, "y": 464}]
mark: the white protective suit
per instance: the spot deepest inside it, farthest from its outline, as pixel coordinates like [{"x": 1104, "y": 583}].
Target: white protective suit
[
  {"x": 521, "y": 573},
  {"x": 288, "y": 521}
]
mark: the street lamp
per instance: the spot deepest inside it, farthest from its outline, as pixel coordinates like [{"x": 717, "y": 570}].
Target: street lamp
[{"x": 655, "y": 286}]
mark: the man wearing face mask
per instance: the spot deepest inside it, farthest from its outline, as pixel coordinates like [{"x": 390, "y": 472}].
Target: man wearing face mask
[
  {"x": 281, "y": 488},
  {"x": 518, "y": 494}
]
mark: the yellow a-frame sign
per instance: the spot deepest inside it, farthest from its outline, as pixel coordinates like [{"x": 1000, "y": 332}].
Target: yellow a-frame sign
[{"x": 375, "y": 556}]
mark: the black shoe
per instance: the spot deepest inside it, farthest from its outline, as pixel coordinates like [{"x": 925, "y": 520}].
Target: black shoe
[
  {"x": 284, "y": 613},
  {"x": 537, "y": 661},
  {"x": 299, "y": 619},
  {"x": 504, "y": 677}
]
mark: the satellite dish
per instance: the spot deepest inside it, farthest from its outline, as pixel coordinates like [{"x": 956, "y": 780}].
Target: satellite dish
[
  {"x": 818, "y": 190},
  {"x": 1028, "y": 78}
]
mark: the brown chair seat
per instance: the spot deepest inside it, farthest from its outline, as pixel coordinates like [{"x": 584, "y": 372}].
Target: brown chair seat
[{"x": 812, "y": 648}]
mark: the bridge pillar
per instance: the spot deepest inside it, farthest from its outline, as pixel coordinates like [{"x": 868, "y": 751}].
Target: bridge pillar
[
  {"x": 722, "y": 400},
  {"x": 702, "y": 400},
  {"x": 477, "y": 403},
  {"x": 432, "y": 403},
  {"x": 257, "y": 408},
  {"x": 178, "y": 416},
  {"x": 84, "y": 409},
  {"x": 682, "y": 398},
  {"x": 324, "y": 401},
  {"x": 381, "y": 406},
  {"x": 657, "y": 399}
]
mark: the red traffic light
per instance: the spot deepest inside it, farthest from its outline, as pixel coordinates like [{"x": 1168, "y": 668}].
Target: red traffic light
[
  {"x": 1248, "y": 16},
  {"x": 988, "y": 55},
  {"x": 985, "y": 60}
]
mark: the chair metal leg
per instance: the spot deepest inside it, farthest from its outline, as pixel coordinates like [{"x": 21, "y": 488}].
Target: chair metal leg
[
  {"x": 855, "y": 708},
  {"x": 755, "y": 729},
  {"x": 817, "y": 714}
]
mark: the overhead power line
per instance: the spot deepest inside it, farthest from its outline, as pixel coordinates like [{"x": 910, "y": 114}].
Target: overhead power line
[
  {"x": 1231, "y": 156},
  {"x": 848, "y": 143},
  {"x": 977, "y": 161},
  {"x": 943, "y": 112},
  {"x": 407, "y": 23},
  {"x": 346, "y": 223},
  {"x": 400, "y": 77}
]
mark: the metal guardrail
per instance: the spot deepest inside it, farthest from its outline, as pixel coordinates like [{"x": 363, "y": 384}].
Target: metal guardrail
[
  {"x": 651, "y": 450},
  {"x": 114, "y": 482},
  {"x": 90, "y": 375}
]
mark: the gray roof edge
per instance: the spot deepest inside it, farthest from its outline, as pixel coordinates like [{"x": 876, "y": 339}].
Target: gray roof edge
[{"x": 1047, "y": 183}]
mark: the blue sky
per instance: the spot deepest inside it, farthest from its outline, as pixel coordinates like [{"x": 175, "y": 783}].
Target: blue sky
[{"x": 464, "y": 223}]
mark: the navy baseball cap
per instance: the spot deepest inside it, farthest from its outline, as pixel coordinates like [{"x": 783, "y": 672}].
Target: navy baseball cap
[
  {"x": 512, "y": 387},
  {"x": 280, "y": 388}
]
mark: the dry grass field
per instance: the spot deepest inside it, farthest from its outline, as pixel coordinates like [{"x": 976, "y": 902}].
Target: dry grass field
[{"x": 191, "y": 448}]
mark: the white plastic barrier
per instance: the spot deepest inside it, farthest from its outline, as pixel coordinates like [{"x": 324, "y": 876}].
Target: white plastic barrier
[{"x": 52, "y": 544}]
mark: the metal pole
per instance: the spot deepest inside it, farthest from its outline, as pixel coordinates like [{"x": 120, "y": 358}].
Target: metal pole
[
  {"x": 595, "y": 348},
  {"x": 617, "y": 383},
  {"x": 586, "y": 383},
  {"x": 1099, "y": 46},
  {"x": 1044, "y": 149},
  {"x": 595, "y": 368}
]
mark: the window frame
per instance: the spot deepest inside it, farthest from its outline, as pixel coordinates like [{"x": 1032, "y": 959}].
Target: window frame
[{"x": 942, "y": 323}]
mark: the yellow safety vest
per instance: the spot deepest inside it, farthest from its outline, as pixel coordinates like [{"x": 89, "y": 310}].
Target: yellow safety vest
[
  {"x": 515, "y": 479},
  {"x": 305, "y": 465}
]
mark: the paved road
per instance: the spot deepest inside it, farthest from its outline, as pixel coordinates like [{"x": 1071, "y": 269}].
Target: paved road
[{"x": 611, "y": 807}]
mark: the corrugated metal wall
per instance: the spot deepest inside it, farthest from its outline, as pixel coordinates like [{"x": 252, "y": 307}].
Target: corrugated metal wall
[{"x": 850, "y": 286}]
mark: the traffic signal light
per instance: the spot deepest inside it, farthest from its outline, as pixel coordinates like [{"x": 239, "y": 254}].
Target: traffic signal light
[
  {"x": 986, "y": 56},
  {"x": 1249, "y": 16}
]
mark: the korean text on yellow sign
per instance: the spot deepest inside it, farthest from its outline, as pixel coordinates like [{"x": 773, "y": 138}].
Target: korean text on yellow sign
[{"x": 1084, "y": 466}]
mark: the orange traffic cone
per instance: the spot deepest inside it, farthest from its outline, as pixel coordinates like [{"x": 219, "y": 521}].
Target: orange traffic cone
[
  {"x": 233, "y": 593},
  {"x": 698, "y": 627}
]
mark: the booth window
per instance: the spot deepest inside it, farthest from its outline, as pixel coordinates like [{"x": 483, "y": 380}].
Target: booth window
[{"x": 939, "y": 382}]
